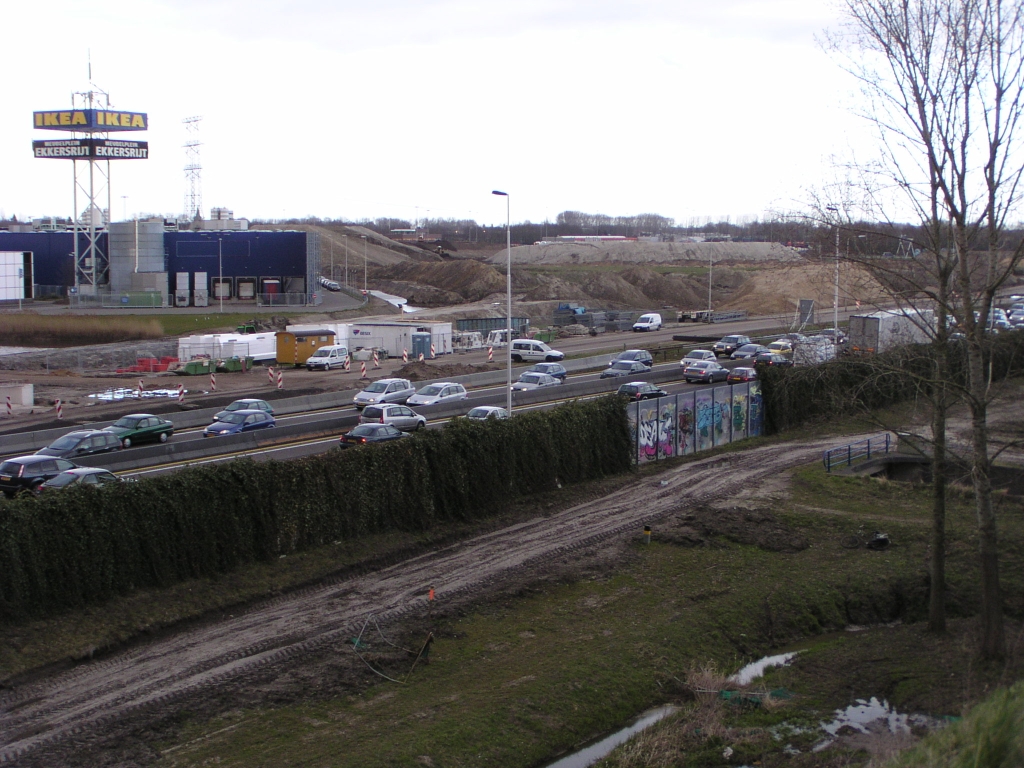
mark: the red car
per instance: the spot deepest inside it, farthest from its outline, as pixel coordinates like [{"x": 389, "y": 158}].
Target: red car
[{"x": 742, "y": 374}]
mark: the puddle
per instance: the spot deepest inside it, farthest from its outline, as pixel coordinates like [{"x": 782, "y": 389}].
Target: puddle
[
  {"x": 598, "y": 749},
  {"x": 873, "y": 717},
  {"x": 755, "y": 669},
  {"x": 124, "y": 393}
]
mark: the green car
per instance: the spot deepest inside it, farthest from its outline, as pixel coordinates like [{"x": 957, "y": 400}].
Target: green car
[{"x": 141, "y": 428}]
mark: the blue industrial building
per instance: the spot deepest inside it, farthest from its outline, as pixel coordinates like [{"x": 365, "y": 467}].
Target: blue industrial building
[{"x": 184, "y": 267}]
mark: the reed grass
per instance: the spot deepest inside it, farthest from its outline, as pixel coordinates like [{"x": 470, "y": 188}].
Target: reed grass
[{"x": 28, "y": 329}]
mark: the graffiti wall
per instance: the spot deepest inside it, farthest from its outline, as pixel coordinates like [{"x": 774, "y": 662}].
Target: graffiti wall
[{"x": 688, "y": 422}]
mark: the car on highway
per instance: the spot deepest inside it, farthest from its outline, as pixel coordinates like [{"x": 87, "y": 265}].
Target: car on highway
[
  {"x": 648, "y": 322},
  {"x": 368, "y": 434},
  {"x": 551, "y": 369},
  {"x": 85, "y": 442},
  {"x": 531, "y": 350},
  {"x": 634, "y": 356},
  {"x": 385, "y": 391},
  {"x": 781, "y": 346},
  {"x": 729, "y": 344},
  {"x": 640, "y": 390},
  {"x": 395, "y": 414},
  {"x": 236, "y": 422},
  {"x": 739, "y": 375},
  {"x": 747, "y": 351},
  {"x": 705, "y": 371},
  {"x": 79, "y": 476},
  {"x": 529, "y": 381},
  {"x": 697, "y": 354},
  {"x": 624, "y": 368},
  {"x": 439, "y": 392},
  {"x": 24, "y": 474},
  {"x": 485, "y": 412},
  {"x": 773, "y": 359},
  {"x": 138, "y": 428},
  {"x": 245, "y": 404}
]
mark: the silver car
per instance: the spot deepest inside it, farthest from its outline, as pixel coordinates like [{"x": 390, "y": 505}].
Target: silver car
[
  {"x": 531, "y": 380},
  {"x": 441, "y": 392},
  {"x": 484, "y": 412},
  {"x": 385, "y": 391},
  {"x": 401, "y": 416}
]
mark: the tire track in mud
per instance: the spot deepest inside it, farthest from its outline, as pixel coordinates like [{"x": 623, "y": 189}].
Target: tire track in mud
[{"x": 156, "y": 675}]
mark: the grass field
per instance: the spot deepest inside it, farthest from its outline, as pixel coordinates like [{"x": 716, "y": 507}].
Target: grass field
[{"x": 532, "y": 674}]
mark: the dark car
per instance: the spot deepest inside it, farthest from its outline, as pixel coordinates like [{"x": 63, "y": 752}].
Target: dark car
[
  {"x": 641, "y": 390},
  {"x": 624, "y": 368},
  {"x": 85, "y": 442},
  {"x": 27, "y": 473},
  {"x": 141, "y": 428},
  {"x": 634, "y": 355},
  {"x": 740, "y": 375},
  {"x": 240, "y": 421},
  {"x": 73, "y": 478},
  {"x": 748, "y": 351},
  {"x": 705, "y": 371},
  {"x": 729, "y": 344},
  {"x": 366, "y": 434},
  {"x": 551, "y": 369},
  {"x": 246, "y": 404},
  {"x": 770, "y": 358}
]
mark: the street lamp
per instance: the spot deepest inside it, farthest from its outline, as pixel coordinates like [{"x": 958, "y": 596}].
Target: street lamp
[
  {"x": 346, "y": 260},
  {"x": 835, "y": 299},
  {"x": 508, "y": 283},
  {"x": 220, "y": 266}
]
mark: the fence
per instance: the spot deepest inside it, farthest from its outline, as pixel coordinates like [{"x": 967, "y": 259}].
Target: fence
[
  {"x": 282, "y": 299},
  {"x": 862, "y": 449},
  {"x": 695, "y": 421},
  {"x": 108, "y": 300}
]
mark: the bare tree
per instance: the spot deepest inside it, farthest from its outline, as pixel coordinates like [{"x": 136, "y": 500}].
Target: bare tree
[{"x": 944, "y": 81}]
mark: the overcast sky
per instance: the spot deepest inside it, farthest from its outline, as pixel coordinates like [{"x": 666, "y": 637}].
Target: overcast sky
[{"x": 348, "y": 109}]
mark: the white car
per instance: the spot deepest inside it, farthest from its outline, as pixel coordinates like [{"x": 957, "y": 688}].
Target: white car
[
  {"x": 440, "y": 392},
  {"x": 484, "y": 412},
  {"x": 697, "y": 354},
  {"x": 534, "y": 351},
  {"x": 649, "y": 322},
  {"x": 530, "y": 380}
]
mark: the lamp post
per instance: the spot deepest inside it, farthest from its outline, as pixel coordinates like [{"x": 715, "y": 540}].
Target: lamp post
[
  {"x": 835, "y": 299},
  {"x": 220, "y": 267},
  {"x": 346, "y": 260},
  {"x": 364, "y": 263},
  {"x": 508, "y": 283}
]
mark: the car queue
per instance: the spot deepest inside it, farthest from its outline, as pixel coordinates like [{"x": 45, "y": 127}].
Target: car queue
[{"x": 383, "y": 403}]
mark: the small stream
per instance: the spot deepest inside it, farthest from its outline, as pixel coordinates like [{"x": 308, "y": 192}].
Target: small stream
[{"x": 593, "y": 752}]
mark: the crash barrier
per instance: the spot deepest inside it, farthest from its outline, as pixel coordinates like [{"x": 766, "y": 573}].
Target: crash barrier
[
  {"x": 689, "y": 422},
  {"x": 84, "y": 545},
  {"x": 845, "y": 455}
]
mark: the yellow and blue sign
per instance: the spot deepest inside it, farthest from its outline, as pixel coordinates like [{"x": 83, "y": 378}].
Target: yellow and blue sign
[
  {"x": 90, "y": 120},
  {"x": 96, "y": 149}
]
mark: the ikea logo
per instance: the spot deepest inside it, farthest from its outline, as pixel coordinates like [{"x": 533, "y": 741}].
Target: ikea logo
[{"x": 90, "y": 120}]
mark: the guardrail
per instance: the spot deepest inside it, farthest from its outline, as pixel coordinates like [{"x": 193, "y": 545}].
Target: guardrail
[{"x": 863, "y": 449}]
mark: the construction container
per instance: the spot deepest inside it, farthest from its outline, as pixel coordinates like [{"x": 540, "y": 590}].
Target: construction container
[{"x": 295, "y": 347}]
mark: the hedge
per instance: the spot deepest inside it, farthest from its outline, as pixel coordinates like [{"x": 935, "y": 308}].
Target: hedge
[
  {"x": 852, "y": 385},
  {"x": 84, "y": 545}
]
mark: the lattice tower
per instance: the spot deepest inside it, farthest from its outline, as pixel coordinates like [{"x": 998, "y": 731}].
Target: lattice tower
[{"x": 193, "y": 169}]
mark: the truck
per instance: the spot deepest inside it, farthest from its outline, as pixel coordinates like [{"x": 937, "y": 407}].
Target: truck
[{"x": 881, "y": 331}]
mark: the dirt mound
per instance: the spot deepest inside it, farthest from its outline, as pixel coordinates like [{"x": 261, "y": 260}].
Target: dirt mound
[
  {"x": 755, "y": 527},
  {"x": 466, "y": 279},
  {"x": 425, "y": 371},
  {"x": 636, "y": 252}
]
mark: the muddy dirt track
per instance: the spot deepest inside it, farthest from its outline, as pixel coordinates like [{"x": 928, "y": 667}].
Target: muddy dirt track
[{"x": 48, "y": 722}]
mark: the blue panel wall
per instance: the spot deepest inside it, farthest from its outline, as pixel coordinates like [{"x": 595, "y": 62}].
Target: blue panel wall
[
  {"x": 54, "y": 260},
  {"x": 244, "y": 254}
]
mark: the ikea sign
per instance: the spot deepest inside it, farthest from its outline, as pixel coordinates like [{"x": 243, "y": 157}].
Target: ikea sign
[{"x": 90, "y": 120}]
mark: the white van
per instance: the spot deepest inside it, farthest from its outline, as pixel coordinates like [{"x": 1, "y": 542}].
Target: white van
[
  {"x": 649, "y": 322},
  {"x": 326, "y": 358},
  {"x": 534, "y": 352}
]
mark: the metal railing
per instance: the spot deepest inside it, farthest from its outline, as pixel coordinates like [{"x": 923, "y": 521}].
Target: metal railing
[{"x": 863, "y": 449}]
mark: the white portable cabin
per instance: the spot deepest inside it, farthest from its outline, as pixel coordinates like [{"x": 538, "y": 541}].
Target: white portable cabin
[
  {"x": 392, "y": 337},
  {"x": 261, "y": 347}
]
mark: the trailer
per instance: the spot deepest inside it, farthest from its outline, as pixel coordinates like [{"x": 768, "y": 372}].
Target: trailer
[
  {"x": 392, "y": 337},
  {"x": 881, "y": 331},
  {"x": 261, "y": 347},
  {"x": 294, "y": 347}
]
